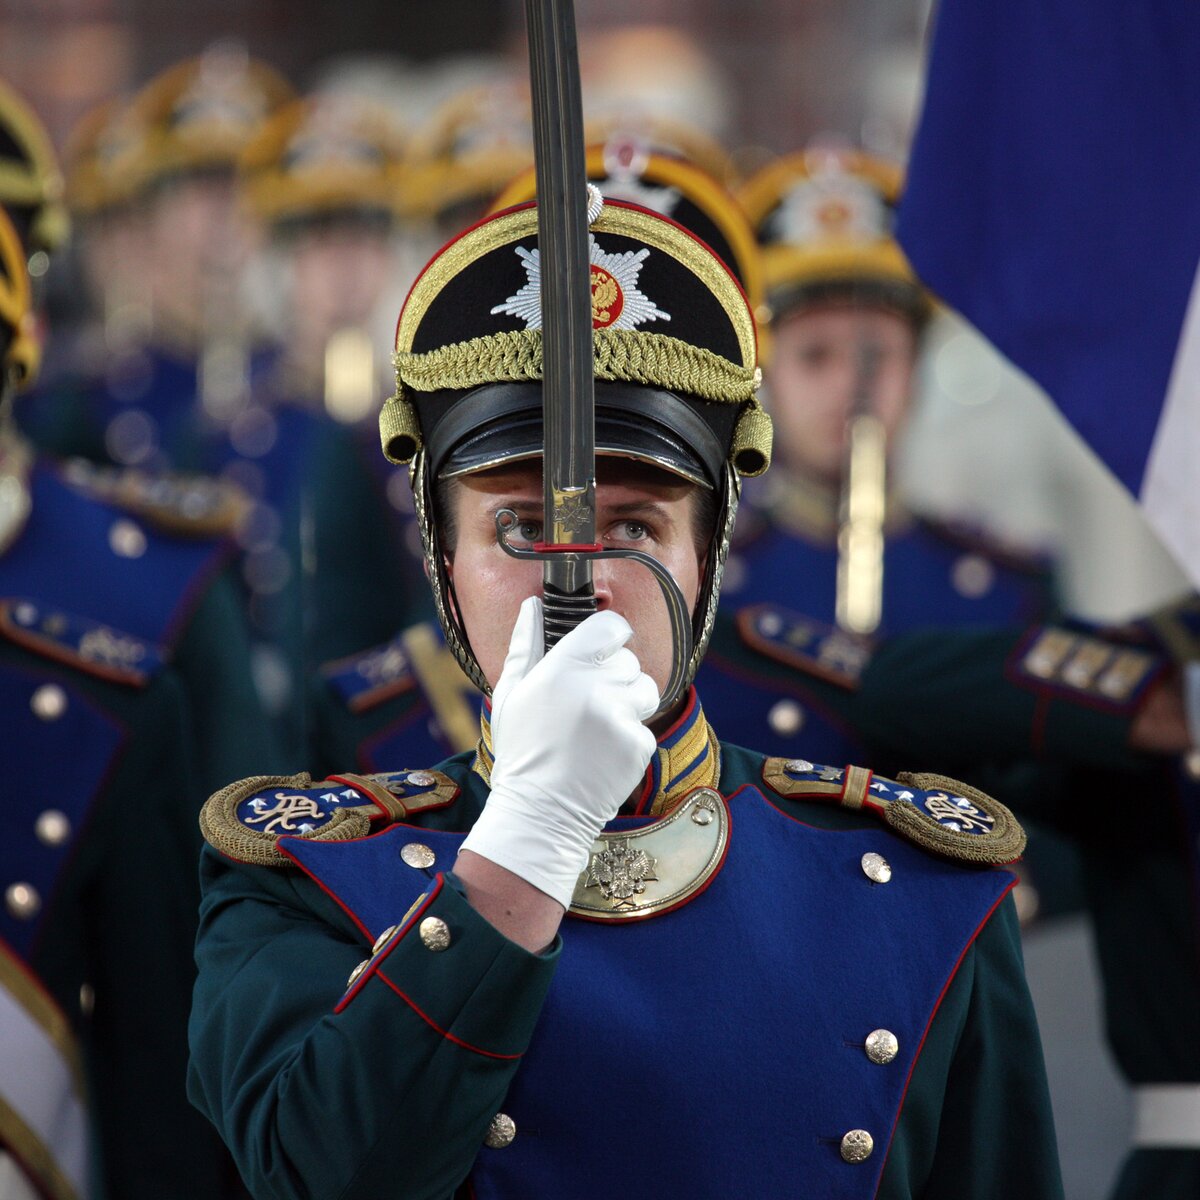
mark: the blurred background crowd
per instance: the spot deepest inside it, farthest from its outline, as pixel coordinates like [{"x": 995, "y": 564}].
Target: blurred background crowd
[{"x": 221, "y": 206}]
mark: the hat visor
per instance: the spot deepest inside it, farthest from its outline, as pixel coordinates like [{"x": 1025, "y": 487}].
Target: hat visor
[{"x": 498, "y": 424}]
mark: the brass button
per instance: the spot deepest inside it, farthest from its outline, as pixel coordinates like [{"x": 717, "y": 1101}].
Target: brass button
[
  {"x": 52, "y": 827},
  {"x": 356, "y": 974},
  {"x": 973, "y": 576},
  {"x": 417, "y": 854},
  {"x": 422, "y": 779},
  {"x": 1191, "y": 764},
  {"x": 857, "y": 1146},
  {"x": 882, "y": 1046},
  {"x": 49, "y": 702},
  {"x": 383, "y": 937},
  {"x": 786, "y": 717},
  {"x": 876, "y": 868},
  {"x": 435, "y": 933},
  {"x": 22, "y": 901},
  {"x": 500, "y": 1132}
]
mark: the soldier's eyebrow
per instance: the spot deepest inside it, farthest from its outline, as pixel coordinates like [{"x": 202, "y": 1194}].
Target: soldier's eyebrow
[
  {"x": 639, "y": 508},
  {"x": 525, "y": 507}
]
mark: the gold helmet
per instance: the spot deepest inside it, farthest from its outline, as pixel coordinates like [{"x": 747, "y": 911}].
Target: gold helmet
[
  {"x": 324, "y": 154},
  {"x": 21, "y": 352},
  {"x": 31, "y": 184},
  {"x": 470, "y": 148},
  {"x": 824, "y": 218},
  {"x": 96, "y": 156},
  {"x": 199, "y": 116}
]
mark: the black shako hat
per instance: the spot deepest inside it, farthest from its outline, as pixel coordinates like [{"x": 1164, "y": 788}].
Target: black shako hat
[
  {"x": 674, "y": 356},
  {"x": 673, "y": 342}
]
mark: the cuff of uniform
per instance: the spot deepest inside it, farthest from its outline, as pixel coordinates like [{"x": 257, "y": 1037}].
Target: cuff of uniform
[
  {"x": 1087, "y": 691},
  {"x": 459, "y": 974}
]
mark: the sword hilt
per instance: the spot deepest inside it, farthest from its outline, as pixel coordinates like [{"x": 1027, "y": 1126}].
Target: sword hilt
[{"x": 562, "y": 611}]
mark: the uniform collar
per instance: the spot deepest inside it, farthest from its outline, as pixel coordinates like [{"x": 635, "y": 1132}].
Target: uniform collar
[
  {"x": 688, "y": 757},
  {"x": 807, "y": 508}
]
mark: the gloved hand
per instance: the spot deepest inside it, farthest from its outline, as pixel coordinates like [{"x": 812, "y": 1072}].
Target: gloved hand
[{"x": 569, "y": 747}]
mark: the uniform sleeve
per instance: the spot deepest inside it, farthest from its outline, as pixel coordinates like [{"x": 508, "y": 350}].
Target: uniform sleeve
[
  {"x": 928, "y": 693},
  {"x": 385, "y": 1089},
  {"x": 130, "y": 930},
  {"x": 977, "y": 1121},
  {"x": 232, "y": 732}
]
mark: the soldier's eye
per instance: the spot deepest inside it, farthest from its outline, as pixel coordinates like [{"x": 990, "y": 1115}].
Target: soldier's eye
[
  {"x": 529, "y": 531},
  {"x": 630, "y": 531}
]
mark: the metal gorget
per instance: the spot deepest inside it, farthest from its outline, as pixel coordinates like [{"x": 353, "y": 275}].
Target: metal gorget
[{"x": 642, "y": 872}]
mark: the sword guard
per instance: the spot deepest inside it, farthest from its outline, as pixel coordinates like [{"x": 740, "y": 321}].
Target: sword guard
[{"x": 563, "y": 611}]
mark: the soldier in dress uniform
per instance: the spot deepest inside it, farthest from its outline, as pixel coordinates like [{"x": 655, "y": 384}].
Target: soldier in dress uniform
[
  {"x": 403, "y": 700},
  {"x": 1103, "y": 712},
  {"x": 107, "y": 605},
  {"x": 723, "y": 909},
  {"x": 847, "y": 316}
]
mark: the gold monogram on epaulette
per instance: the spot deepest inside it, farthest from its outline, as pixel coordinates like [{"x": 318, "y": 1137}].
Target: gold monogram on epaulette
[
  {"x": 958, "y": 812},
  {"x": 281, "y": 815},
  {"x": 286, "y": 815},
  {"x": 101, "y": 645}
]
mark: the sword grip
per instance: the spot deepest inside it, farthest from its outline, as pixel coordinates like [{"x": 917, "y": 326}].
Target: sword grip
[{"x": 562, "y": 611}]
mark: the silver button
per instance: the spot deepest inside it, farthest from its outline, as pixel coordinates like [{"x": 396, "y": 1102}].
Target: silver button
[
  {"x": 882, "y": 1046},
  {"x": 22, "y": 901},
  {"x": 421, "y": 778},
  {"x": 876, "y": 868},
  {"x": 417, "y": 854},
  {"x": 856, "y": 1146},
  {"x": 786, "y": 717},
  {"x": 127, "y": 539},
  {"x": 770, "y": 624},
  {"x": 49, "y": 702},
  {"x": 25, "y": 613},
  {"x": 356, "y": 974},
  {"x": 52, "y": 827},
  {"x": 1191, "y": 764},
  {"x": 383, "y": 937},
  {"x": 500, "y": 1132},
  {"x": 435, "y": 933},
  {"x": 973, "y": 576},
  {"x": 798, "y": 765}
]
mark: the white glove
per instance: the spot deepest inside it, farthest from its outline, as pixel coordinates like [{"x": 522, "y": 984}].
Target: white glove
[{"x": 569, "y": 747}]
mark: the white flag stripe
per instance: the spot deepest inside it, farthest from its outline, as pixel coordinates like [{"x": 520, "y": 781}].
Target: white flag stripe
[
  {"x": 1171, "y": 487},
  {"x": 37, "y": 1083},
  {"x": 14, "y": 1184}
]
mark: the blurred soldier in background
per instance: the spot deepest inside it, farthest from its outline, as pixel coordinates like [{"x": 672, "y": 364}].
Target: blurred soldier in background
[{"x": 112, "y": 610}]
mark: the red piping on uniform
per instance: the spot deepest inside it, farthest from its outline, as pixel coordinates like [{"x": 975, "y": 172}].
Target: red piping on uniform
[
  {"x": 928, "y": 1025},
  {"x": 360, "y": 982},
  {"x": 438, "y": 1029}
]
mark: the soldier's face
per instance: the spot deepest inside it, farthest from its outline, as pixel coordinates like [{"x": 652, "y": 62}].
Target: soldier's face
[
  {"x": 637, "y": 508},
  {"x": 814, "y": 376}
]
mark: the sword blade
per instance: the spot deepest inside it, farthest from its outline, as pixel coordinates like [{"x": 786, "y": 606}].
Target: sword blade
[{"x": 568, "y": 399}]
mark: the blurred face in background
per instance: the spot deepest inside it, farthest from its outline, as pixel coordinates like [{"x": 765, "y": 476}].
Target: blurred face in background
[
  {"x": 339, "y": 271},
  {"x": 815, "y": 374},
  {"x": 200, "y": 241}
]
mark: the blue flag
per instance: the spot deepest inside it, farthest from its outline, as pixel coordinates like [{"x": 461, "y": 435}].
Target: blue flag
[{"x": 1053, "y": 198}]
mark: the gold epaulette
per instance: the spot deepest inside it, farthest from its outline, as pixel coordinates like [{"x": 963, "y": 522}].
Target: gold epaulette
[
  {"x": 244, "y": 820},
  {"x": 939, "y": 814},
  {"x": 182, "y": 505}
]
